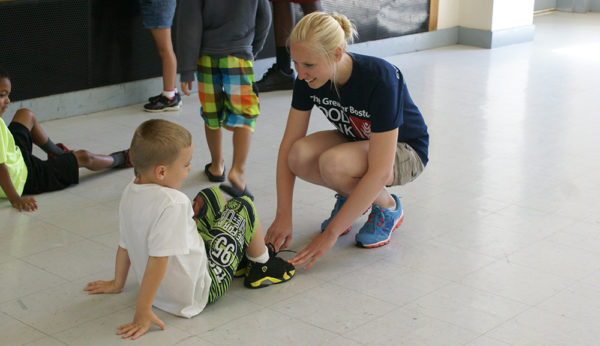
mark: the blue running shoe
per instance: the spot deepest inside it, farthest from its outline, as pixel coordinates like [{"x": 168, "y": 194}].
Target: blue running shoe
[
  {"x": 336, "y": 208},
  {"x": 377, "y": 231}
]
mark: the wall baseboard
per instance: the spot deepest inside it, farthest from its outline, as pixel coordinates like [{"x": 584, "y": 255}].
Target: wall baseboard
[
  {"x": 578, "y": 6},
  {"x": 125, "y": 94},
  {"x": 495, "y": 39}
]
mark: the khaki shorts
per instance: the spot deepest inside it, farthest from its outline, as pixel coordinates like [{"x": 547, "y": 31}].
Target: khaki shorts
[{"x": 407, "y": 164}]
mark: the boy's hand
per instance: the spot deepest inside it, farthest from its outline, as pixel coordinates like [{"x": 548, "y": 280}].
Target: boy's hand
[
  {"x": 186, "y": 87},
  {"x": 24, "y": 203},
  {"x": 142, "y": 321},
  {"x": 100, "y": 286}
]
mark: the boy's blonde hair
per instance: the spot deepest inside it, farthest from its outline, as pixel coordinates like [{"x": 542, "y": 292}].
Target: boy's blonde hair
[
  {"x": 157, "y": 142},
  {"x": 325, "y": 31}
]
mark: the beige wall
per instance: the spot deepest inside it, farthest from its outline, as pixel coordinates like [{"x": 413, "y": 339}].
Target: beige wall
[
  {"x": 448, "y": 12},
  {"x": 476, "y": 14}
]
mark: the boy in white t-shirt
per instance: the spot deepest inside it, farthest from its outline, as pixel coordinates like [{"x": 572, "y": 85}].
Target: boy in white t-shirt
[{"x": 184, "y": 257}]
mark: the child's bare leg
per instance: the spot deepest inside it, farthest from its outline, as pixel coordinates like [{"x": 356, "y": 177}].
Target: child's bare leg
[
  {"x": 164, "y": 46},
  {"x": 27, "y": 118},
  {"x": 39, "y": 137},
  {"x": 241, "y": 147},
  {"x": 283, "y": 21},
  {"x": 310, "y": 7},
  {"x": 257, "y": 245},
  {"x": 91, "y": 161},
  {"x": 214, "y": 141}
]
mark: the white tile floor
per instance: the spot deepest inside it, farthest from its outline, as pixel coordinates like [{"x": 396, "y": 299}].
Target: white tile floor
[{"x": 500, "y": 245}]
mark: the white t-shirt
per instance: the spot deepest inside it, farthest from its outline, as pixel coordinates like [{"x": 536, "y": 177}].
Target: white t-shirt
[{"x": 157, "y": 221}]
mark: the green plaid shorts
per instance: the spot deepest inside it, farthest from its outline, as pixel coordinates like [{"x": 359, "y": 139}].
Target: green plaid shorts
[{"x": 227, "y": 92}]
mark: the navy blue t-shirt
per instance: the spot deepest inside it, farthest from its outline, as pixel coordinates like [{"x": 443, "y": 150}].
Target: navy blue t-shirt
[{"x": 374, "y": 99}]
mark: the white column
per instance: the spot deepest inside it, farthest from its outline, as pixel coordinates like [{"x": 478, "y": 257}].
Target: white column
[{"x": 488, "y": 23}]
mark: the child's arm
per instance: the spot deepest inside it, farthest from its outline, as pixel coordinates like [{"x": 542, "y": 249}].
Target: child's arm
[
  {"x": 21, "y": 203},
  {"x": 144, "y": 317},
  {"x": 114, "y": 286},
  {"x": 188, "y": 40},
  {"x": 263, "y": 24}
]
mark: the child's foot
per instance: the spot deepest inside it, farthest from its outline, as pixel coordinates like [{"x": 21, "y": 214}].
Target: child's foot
[
  {"x": 377, "y": 231},
  {"x": 161, "y": 103},
  {"x": 122, "y": 159},
  {"x": 275, "y": 271},
  {"x": 235, "y": 191},
  {"x": 276, "y": 79},
  {"x": 153, "y": 99},
  {"x": 214, "y": 178},
  {"x": 63, "y": 147},
  {"x": 236, "y": 187},
  {"x": 243, "y": 268}
]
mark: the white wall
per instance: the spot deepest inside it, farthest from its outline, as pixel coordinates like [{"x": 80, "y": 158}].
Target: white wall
[
  {"x": 488, "y": 15},
  {"x": 512, "y": 13}
]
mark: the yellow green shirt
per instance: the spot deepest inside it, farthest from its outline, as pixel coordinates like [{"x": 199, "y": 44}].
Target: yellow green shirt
[{"x": 10, "y": 155}]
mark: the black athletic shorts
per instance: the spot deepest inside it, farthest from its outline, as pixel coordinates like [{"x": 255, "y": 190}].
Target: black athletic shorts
[{"x": 56, "y": 173}]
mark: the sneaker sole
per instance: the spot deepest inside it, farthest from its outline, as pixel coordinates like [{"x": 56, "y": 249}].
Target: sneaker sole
[
  {"x": 240, "y": 273},
  {"x": 383, "y": 242},
  {"x": 268, "y": 281},
  {"x": 166, "y": 109}
]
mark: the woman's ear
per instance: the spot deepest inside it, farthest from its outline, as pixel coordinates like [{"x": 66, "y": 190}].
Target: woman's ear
[{"x": 338, "y": 53}]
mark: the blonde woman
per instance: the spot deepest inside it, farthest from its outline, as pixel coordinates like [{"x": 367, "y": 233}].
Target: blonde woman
[{"x": 381, "y": 138}]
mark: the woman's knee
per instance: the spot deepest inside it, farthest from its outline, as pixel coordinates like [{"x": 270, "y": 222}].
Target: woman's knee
[
  {"x": 334, "y": 168},
  {"x": 299, "y": 158}
]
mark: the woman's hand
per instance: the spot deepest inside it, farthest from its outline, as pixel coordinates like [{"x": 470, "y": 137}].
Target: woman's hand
[
  {"x": 313, "y": 251},
  {"x": 279, "y": 234}
]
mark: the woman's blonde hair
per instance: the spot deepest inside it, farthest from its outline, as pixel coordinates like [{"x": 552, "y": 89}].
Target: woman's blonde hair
[
  {"x": 326, "y": 31},
  {"x": 157, "y": 142}
]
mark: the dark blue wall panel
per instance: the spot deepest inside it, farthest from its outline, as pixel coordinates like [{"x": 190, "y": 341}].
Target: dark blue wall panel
[{"x": 56, "y": 46}]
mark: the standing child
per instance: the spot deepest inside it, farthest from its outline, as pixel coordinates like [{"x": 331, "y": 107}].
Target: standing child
[
  {"x": 157, "y": 16},
  {"x": 182, "y": 266},
  {"x": 23, "y": 173},
  {"x": 280, "y": 76},
  {"x": 380, "y": 139},
  {"x": 220, "y": 39}
]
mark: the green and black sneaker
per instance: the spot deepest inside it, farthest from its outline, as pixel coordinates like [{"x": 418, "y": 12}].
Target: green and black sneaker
[{"x": 275, "y": 271}]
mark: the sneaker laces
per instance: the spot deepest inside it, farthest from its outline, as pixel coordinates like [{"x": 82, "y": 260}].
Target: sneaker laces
[
  {"x": 271, "y": 70},
  {"x": 338, "y": 204},
  {"x": 273, "y": 252},
  {"x": 377, "y": 215},
  {"x": 274, "y": 69}
]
